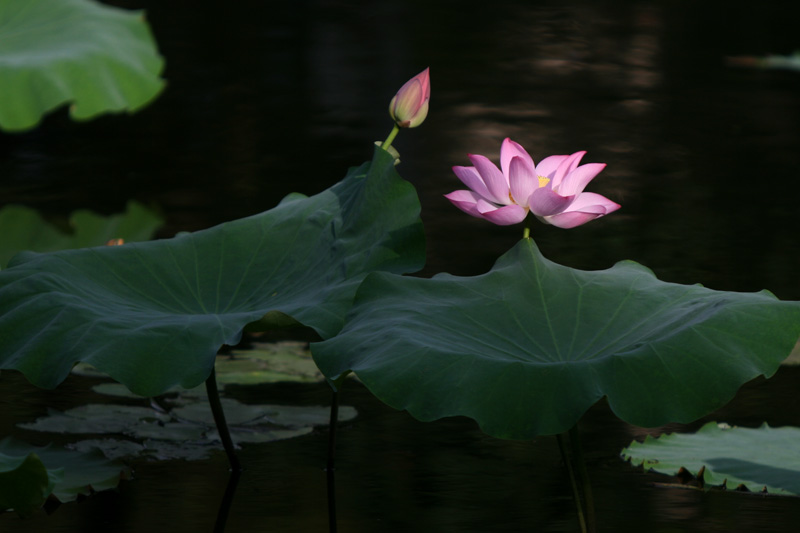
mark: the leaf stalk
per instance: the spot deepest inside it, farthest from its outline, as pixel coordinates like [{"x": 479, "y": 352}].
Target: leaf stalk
[{"x": 219, "y": 420}]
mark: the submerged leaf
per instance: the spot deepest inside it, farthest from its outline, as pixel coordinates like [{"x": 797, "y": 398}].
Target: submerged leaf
[
  {"x": 153, "y": 315},
  {"x": 527, "y": 348},
  {"x": 52, "y": 52},
  {"x": 727, "y": 456}
]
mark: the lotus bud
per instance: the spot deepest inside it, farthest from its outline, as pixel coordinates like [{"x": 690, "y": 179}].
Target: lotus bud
[{"x": 409, "y": 107}]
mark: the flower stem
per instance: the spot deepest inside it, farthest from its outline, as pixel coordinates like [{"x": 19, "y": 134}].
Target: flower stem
[
  {"x": 526, "y": 233},
  {"x": 388, "y": 142},
  {"x": 576, "y": 494}
]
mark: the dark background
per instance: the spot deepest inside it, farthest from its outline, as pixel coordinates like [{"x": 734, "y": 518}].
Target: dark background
[{"x": 265, "y": 98}]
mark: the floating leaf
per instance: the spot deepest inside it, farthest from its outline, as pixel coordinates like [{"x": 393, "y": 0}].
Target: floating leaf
[
  {"x": 268, "y": 362},
  {"x": 110, "y": 448},
  {"x": 189, "y": 422},
  {"x": 153, "y": 315},
  {"x": 262, "y": 436},
  {"x": 236, "y": 413},
  {"x": 283, "y": 415},
  {"x": 97, "y": 418},
  {"x": 52, "y": 52},
  {"x": 527, "y": 348},
  {"x": 70, "y": 474},
  {"x": 22, "y": 228},
  {"x": 730, "y": 456},
  {"x": 156, "y": 450}
]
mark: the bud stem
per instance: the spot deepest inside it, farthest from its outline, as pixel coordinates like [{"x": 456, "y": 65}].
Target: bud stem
[
  {"x": 388, "y": 142},
  {"x": 526, "y": 233}
]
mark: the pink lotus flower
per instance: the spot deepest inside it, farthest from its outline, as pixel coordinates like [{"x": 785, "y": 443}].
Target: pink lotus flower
[
  {"x": 409, "y": 107},
  {"x": 551, "y": 190}
]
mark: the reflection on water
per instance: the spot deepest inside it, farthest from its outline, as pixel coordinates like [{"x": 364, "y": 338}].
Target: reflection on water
[
  {"x": 395, "y": 474},
  {"x": 268, "y": 98}
]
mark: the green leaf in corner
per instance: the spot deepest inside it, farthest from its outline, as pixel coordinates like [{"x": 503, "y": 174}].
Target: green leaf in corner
[
  {"x": 96, "y": 58},
  {"x": 29, "y": 474},
  {"x": 756, "y": 458},
  {"x": 24, "y": 483}
]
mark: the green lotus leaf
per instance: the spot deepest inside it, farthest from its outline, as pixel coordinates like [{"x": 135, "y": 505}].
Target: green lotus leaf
[
  {"x": 758, "y": 459},
  {"x": 22, "y": 228},
  {"x": 528, "y": 347},
  {"x": 97, "y": 58},
  {"x": 154, "y": 314},
  {"x": 24, "y": 483},
  {"x": 65, "y": 474}
]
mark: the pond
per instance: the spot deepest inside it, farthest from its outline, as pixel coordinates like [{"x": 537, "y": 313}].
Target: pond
[
  {"x": 265, "y": 99},
  {"x": 397, "y": 474}
]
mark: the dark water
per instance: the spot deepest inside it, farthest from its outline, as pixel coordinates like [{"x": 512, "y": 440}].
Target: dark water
[
  {"x": 397, "y": 474},
  {"x": 266, "y": 98}
]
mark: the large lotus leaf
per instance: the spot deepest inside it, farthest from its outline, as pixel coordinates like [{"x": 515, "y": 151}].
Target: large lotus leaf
[
  {"x": 68, "y": 473},
  {"x": 763, "y": 458},
  {"x": 22, "y": 228},
  {"x": 526, "y": 348},
  {"x": 154, "y": 314},
  {"x": 52, "y": 52}
]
